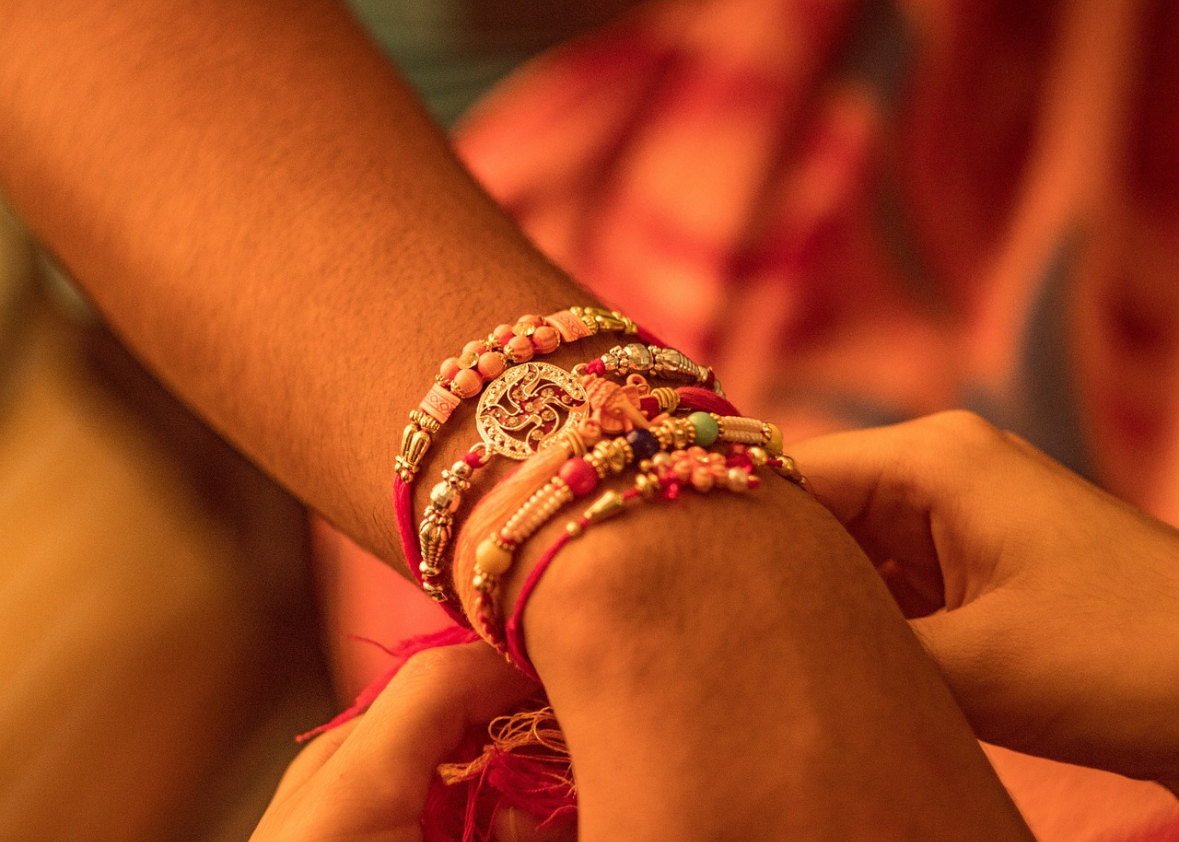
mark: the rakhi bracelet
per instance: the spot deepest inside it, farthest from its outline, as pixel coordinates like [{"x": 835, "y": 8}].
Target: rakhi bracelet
[
  {"x": 464, "y": 377},
  {"x": 658, "y": 477},
  {"x": 438, "y": 521},
  {"x": 577, "y": 477},
  {"x": 535, "y": 405},
  {"x": 483, "y": 360},
  {"x": 520, "y": 412}
]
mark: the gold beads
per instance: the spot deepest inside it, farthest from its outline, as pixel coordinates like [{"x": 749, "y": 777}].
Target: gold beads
[
  {"x": 773, "y": 438},
  {"x": 493, "y": 557}
]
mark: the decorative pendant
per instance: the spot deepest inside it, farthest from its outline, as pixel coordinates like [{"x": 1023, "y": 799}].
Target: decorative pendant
[{"x": 526, "y": 406}]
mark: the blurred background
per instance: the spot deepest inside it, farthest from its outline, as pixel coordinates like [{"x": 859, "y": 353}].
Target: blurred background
[
  {"x": 859, "y": 212},
  {"x": 159, "y": 647}
]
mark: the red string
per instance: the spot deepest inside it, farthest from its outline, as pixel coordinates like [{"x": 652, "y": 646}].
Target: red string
[
  {"x": 403, "y": 508},
  {"x": 514, "y": 631},
  {"x": 407, "y": 533},
  {"x": 400, "y": 653}
]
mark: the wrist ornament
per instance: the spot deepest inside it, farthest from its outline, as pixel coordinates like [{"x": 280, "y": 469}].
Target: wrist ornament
[
  {"x": 671, "y": 455},
  {"x": 535, "y": 405},
  {"x": 526, "y": 403}
]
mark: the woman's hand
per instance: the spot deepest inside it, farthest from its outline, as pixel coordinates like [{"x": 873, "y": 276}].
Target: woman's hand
[
  {"x": 1060, "y": 629},
  {"x": 368, "y": 779}
]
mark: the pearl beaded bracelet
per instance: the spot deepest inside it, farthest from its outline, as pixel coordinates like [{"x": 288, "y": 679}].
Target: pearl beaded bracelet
[
  {"x": 526, "y": 408},
  {"x": 660, "y": 476},
  {"x": 464, "y": 376},
  {"x": 579, "y": 476}
]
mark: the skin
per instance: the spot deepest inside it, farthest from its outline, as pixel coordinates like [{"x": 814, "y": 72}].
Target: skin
[
  {"x": 1050, "y": 587},
  {"x": 255, "y": 201},
  {"x": 368, "y": 779},
  {"x": 931, "y": 499}
]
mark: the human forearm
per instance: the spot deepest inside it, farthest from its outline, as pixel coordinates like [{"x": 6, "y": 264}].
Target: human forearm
[
  {"x": 261, "y": 208},
  {"x": 732, "y": 667}
]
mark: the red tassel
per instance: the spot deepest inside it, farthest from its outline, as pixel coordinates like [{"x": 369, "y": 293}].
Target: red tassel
[{"x": 704, "y": 400}]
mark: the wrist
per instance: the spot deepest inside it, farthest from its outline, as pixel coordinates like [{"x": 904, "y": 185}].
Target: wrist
[
  {"x": 638, "y": 629},
  {"x": 689, "y": 648},
  {"x": 458, "y": 435}
]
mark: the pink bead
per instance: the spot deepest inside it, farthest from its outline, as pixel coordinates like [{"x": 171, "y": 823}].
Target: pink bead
[
  {"x": 439, "y": 403},
  {"x": 568, "y": 325},
  {"x": 466, "y": 383},
  {"x": 449, "y": 368},
  {"x": 491, "y": 365},
  {"x": 545, "y": 340},
  {"x": 579, "y": 475},
  {"x": 530, "y": 320},
  {"x": 475, "y": 346},
  {"x": 519, "y": 349},
  {"x": 502, "y": 334}
]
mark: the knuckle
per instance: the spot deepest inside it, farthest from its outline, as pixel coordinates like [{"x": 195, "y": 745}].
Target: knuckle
[
  {"x": 960, "y": 428},
  {"x": 439, "y": 666}
]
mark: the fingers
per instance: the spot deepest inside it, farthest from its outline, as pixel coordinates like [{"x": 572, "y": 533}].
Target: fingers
[
  {"x": 369, "y": 778},
  {"x": 312, "y": 758},
  {"x": 420, "y": 719},
  {"x": 882, "y": 486},
  {"x": 918, "y": 493}
]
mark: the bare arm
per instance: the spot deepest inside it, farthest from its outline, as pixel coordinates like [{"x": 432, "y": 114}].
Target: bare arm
[
  {"x": 242, "y": 183},
  {"x": 256, "y": 202}
]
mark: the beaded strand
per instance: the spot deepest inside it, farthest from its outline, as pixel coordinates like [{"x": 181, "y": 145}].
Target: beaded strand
[
  {"x": 482, "y": 360},
  {"x": 577, "y": 477},
  {"x": 660, "y": 476}
]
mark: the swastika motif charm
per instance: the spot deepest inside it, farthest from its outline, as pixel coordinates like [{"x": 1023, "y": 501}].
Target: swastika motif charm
[{"x": 527, "y": 405}]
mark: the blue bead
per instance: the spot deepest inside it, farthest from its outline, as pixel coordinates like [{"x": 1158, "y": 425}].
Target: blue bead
[{"x": 643, "y": 443}]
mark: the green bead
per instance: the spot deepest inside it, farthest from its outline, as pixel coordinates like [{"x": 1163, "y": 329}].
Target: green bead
[{"x": 706, "y": 428}]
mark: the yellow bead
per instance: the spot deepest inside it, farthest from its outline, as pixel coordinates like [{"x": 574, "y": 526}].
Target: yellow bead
[
  {"x": 493, "y": 558},
  {"x": 774, "y": 445}
]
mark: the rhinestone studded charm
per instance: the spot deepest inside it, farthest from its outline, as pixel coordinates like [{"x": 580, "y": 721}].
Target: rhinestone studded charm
[{"x": 528, "y": 405}]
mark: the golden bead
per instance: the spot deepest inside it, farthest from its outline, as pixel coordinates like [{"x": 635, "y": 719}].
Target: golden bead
[
  {"x": 606, "y": 506},
  {"x": 774, "y": 439},
  {"x": 492, "y": 557}
]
